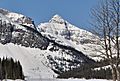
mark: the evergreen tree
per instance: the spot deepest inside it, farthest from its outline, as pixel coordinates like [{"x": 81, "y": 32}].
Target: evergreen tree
[{"x": 10, "y": 69}]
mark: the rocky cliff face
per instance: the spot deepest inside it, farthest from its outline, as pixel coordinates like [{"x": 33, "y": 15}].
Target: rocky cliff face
[{"x": 19, "y": 34}]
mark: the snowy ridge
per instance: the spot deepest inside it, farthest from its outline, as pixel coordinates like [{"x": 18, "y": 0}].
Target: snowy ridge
[
  {"x": 18, "y": 18},
  {"x": 64, "y": 33}
]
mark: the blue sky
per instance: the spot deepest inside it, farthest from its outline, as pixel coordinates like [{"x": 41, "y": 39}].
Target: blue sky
[{"x": 76, "y": 12}]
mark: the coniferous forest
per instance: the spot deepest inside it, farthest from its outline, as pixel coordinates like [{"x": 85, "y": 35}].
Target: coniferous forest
[
  {"x": 89, "y": 71},
  {"x": 10, "y": 69}
]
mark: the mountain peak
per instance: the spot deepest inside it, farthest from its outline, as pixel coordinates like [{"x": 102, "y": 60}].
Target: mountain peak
[{"x": 57, "y": 19}]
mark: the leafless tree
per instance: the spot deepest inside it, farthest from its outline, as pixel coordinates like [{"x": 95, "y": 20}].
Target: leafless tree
[{"x": 106, "y": 18}]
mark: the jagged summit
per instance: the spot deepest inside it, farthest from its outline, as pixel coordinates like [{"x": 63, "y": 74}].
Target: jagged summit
[{"x": 57, "y": 19}]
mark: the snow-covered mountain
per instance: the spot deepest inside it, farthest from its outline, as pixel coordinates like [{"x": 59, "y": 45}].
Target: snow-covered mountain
[
  {"x": 64, "y": 33},
  {"x": 39, "y": 55}
]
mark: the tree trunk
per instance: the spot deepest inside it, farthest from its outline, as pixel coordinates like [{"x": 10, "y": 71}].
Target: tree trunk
[
  {"x": 118, "y": 74},
  {"x": 113, "y": 74}
]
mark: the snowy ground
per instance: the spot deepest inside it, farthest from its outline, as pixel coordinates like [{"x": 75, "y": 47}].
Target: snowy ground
[
  {"x": 82, "y": 80},
  {"x": 12, "y": 80},
  {"x": 64, "y": 80}
]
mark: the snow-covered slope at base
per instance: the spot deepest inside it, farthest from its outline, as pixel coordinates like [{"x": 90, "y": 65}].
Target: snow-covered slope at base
[
  {"x": 32, "y": 60},
  {"x": 64, "y": 80},
  {"x": 13, "y": 80},
  {"x": 67, "y": 34},
  {"x": 83, "y": 80}
]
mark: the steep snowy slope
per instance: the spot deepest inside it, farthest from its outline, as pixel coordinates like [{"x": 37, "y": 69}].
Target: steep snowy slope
[
  {"x": 32, "y": 60},
  {"x": 37, "y": 54},
  {"x": 64, "y": 33},
  {"x": 18, "y": 18}
]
